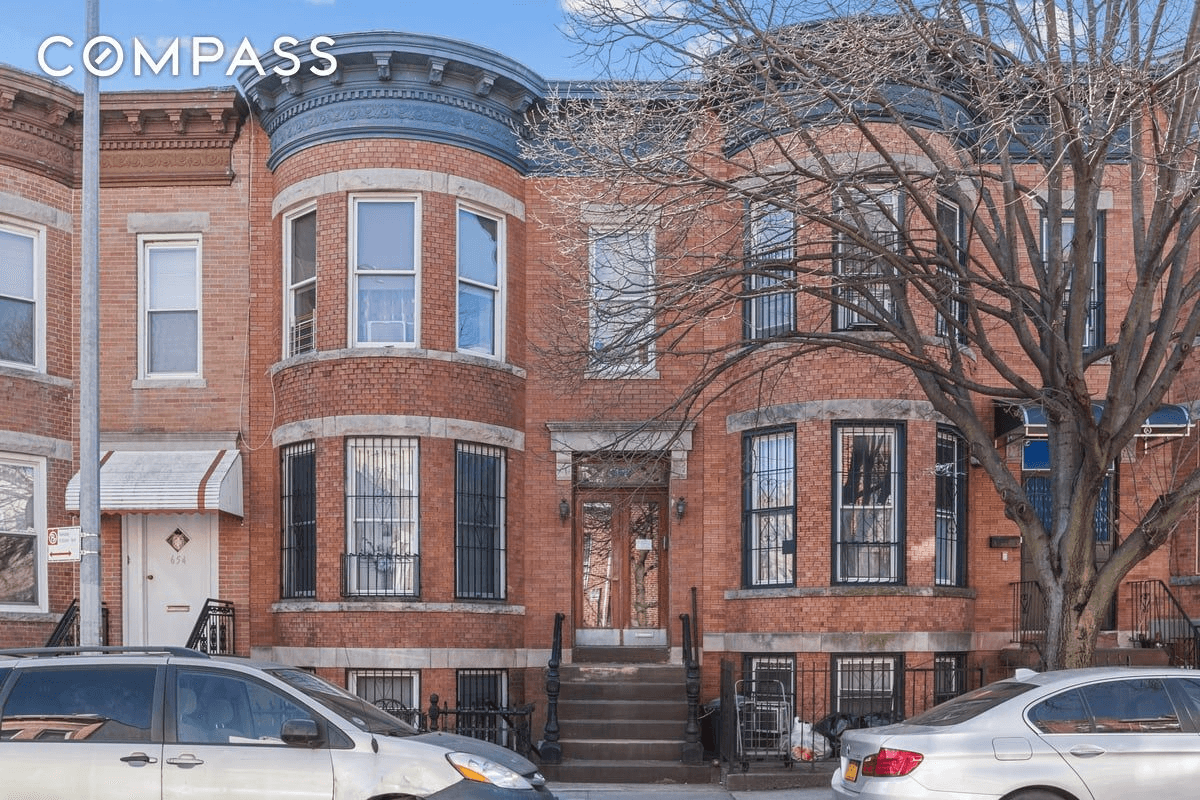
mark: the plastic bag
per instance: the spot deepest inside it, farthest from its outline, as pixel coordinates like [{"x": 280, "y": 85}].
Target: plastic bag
[{"x": 807, "y": 744}]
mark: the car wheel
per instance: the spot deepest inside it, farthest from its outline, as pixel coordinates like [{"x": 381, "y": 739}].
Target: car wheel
[{"x": 1035, "y": 794}]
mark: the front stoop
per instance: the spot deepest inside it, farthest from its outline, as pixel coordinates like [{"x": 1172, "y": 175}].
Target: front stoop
[{"x": 624, "y": 723}]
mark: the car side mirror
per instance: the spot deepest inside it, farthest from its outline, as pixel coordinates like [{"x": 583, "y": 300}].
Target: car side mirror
[{"x": 301, "y": 733}]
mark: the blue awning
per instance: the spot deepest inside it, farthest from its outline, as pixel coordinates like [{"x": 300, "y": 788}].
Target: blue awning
[{"x": 1029, "y": 420}]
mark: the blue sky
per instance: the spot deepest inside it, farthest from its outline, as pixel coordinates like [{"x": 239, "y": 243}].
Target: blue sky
[{"x": 528, "y": 31}]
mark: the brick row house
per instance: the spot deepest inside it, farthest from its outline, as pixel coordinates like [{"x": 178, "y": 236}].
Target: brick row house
[{"x": 323, "y": 404}]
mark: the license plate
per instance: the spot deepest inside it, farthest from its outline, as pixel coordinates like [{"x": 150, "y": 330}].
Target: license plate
[{"x": 852, "y": 771}]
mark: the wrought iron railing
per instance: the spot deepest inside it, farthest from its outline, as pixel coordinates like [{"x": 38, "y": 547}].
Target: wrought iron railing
[
  {"x": 66, "y": 632},
  {"x": 214, "y": 630},
  {"x": 1029, "y": 614},
  {"x": 1160, "y": 621},
  {"x": 551, "y": 749},
  {"x": 826, "y": 704},
  {"x": 507, "y": 727},
  {"x": 693, "y": 751}
]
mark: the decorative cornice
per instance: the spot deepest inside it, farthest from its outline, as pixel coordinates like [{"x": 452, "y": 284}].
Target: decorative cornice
[
  {"x": 146, "y": 138},
  {"x": 396, "y": 85}
]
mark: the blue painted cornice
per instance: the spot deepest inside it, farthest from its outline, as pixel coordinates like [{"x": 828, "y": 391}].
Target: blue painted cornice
[{"x": 395, "y": 85}]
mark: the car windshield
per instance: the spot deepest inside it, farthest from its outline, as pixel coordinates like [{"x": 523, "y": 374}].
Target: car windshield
[
  {"x": 350, "y": 706},
  {"x": 970, "y": 705}
]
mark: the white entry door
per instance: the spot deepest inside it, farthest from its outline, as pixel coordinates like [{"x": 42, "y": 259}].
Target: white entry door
[{"x": 170, "y": 570}]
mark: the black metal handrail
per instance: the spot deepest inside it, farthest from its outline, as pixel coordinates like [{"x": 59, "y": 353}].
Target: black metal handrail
[
  {"x": 214, "y": 631},
  {"x": 550, "y": 750},
  {"x": 1029, "y": 614},
  {"x": 693, "y": 750},
  {"x": 1160, "y": 621},
  {"x": 66, "y": 632}
]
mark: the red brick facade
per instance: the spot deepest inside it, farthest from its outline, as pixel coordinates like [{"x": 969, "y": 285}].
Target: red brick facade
[{"x": 197, "y": 165}]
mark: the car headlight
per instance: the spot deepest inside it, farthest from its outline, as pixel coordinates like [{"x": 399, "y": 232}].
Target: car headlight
[{"x": 475, "y": 768}]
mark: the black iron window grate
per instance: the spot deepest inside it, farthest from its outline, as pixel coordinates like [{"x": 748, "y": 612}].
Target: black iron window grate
[
  {"x": 298, "y": 559},
  {"x": 479, "y": 516}
]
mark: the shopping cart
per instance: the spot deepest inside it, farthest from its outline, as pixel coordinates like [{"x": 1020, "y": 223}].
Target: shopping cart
[{"x": 764, "y": 722}]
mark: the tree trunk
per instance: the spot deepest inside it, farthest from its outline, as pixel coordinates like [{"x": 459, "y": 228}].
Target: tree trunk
[{"x": 1073, "y": 626}]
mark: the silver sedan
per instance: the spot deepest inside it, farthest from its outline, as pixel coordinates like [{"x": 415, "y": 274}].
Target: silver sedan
[{"x": 1108, "y": 733}]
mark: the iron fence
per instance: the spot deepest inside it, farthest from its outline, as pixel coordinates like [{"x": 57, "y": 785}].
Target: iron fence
[
  {"x": 1158, "y": 620},
  {"x": 507, "y": 727},
  {"x": 827, "y": 699}
]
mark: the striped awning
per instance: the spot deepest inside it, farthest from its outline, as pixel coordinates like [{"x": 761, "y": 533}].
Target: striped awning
[
  {"x": 133, "y": 481},
  {"x": 1029, "y": 420}
]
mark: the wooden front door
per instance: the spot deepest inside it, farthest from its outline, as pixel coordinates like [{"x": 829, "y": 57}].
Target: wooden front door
[{"x": 621, "y": 586}]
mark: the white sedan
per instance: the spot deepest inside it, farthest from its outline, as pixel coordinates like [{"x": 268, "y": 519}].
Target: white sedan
[{"x": 1107, "y": 733}]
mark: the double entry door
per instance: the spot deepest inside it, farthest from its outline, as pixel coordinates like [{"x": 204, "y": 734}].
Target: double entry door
[{"x": 621, "y": 581}]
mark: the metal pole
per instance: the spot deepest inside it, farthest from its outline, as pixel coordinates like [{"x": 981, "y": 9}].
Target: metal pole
[{"x": 89, "y": 354}]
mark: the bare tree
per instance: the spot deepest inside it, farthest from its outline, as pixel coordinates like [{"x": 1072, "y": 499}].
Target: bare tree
[{"x": 925, "y": 186}]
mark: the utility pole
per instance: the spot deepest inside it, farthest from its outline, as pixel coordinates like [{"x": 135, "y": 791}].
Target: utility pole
[{"x": 89, "y": 354}]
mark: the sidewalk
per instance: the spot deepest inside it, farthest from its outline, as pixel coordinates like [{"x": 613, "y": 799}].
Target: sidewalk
[{"x": 660, "y": 791}]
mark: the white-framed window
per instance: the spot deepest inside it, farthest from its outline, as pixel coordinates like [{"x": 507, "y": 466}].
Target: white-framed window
[
  {"x": 22, "y": 527},
  {"x": 770, "y": 253},
  {"x": 22, "y": 302},
  {"x": 769, "y": 507},
  {"x": 868, "y": 535},
  {"x": 950, "y": 509},
  {"x": 385, "y": 269},
  {"x": 300, "y": 280},
  {"x": 621, "y": 323},
  {"x": 480, "y": 282},
  {"x": 864, "y": 286},
  {"x": 171, "y": 321},
  {"x": 952, "y": 229},
  {"x": 382, "y": 507},
  {"x": 1094, "y": 324}
]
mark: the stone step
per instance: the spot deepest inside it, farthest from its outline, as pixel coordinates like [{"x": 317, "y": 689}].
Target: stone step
[
  {"x": 657, "y": 673},
  {"x": 633, "y": 729},
  {"x": 574, "y": 770},
  {"x": 669, "y": 750},
  {"x": 612, "y": 710},
  {"x": 633, "y": 690},
  {"x": 621, "y": 655}
]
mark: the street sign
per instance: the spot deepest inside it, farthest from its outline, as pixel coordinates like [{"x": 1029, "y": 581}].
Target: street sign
[{"x": 62, "y": 544}]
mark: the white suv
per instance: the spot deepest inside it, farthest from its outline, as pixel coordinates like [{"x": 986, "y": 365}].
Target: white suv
[{"x": 156, "y": 724}]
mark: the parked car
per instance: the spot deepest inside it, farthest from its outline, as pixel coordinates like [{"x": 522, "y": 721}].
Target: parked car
[
  {"x": 144, "y": 723},
  {"x": 1090, "y": 734}
]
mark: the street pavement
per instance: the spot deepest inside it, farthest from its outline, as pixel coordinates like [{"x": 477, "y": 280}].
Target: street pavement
[{"x": 674, "y": 791}]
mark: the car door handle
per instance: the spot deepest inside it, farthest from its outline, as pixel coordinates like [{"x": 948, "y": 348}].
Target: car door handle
[
  {"x": 185, "y": 760},
  {"x": 139, "y": 758},
  {"x": 1087, "y": 751}
]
